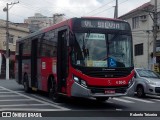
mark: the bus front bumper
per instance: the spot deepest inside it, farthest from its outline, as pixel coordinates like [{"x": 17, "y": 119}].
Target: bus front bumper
[{"x": 79, "y": 91}]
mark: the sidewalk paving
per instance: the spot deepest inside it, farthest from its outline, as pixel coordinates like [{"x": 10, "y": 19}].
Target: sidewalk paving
[{"x": 10, "y": 84}]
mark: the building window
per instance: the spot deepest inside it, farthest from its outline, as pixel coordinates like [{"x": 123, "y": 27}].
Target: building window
[
  {"x": 138, "y": 49},
  {"x": 19, "y": 37},
  {"x": 135, "y": 22},
  {"x": 11, "y": 37}
]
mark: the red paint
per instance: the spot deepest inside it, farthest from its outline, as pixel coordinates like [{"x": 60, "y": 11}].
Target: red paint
[
  {"x": 63, "y": 23},
  {"x": 103, "y": 82},
  {"x": 46, "y": 71},
  {"x": 70, "y": 81}
]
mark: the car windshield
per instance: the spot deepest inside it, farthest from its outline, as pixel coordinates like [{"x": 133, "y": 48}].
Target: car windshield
[
  {"x": 102, "y": 50},
  {"x": 147, "y": 73}
]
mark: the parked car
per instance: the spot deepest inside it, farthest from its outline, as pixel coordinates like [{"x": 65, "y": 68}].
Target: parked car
[{"x": 146, "y": 82}]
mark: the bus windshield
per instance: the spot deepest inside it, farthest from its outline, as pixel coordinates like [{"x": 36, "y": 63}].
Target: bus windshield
[{"x": 102, "y": 50}]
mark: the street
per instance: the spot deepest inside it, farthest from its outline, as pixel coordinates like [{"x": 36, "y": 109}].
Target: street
[{"x": 13, "y": 98}]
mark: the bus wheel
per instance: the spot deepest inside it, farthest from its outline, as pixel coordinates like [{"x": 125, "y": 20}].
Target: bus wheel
[
  {"x": 53, "y": 92},
  {"x": 26, "y": 84},
  {"x": 140, "y": 92},
  {"x": 102, "y": 99}
]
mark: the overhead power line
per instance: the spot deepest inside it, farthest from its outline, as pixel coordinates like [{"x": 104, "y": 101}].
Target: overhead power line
[
  {"x": 109, "y": 8},
  {"x": 100, "y": 7},
  {"x": 31, "y": 7}
]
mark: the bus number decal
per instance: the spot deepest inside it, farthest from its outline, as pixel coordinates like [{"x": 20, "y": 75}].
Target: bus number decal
[
  {"x": 43, "y": 65},
  {"x": 121, "y": 82}
]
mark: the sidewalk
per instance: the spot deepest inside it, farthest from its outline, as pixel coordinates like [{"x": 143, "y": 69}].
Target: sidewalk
[{"x": 10, "y": 84}]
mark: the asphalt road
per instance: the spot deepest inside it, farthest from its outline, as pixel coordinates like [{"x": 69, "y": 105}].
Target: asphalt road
[{"x": 13, "y": 98}]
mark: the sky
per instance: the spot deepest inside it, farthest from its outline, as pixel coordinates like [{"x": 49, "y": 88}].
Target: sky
[{"x": 71, "y": 8}]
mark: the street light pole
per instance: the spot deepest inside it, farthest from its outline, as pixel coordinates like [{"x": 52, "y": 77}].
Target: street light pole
[
  {"x": 116, "y": 10},
  {"x": 148, "y": 32},
  {"x": 154, "y": 31},
  {"x": 7, "y": 45},
  {"x": 7, "y": 39}
]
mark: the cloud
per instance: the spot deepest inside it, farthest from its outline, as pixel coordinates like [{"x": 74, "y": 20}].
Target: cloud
[
  {"x": 71, "y": 8},
  {"x": 76, "y": 8}
]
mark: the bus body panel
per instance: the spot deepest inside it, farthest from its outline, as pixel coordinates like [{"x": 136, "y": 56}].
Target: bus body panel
[
  {"x": 48, "y": 68},
  {"x": 103, "y": 82},
  {"x": 77, "y": 90}
]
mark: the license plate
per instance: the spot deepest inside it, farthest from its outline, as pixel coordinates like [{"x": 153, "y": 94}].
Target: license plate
[{"x": 109, "y": 91}]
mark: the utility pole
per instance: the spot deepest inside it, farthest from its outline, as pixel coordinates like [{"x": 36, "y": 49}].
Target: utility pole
[
  {"x": 6, "y": 9},
  {"x": 148, "y": 32},
  {"x": 154, "y": 28},
  {"x": 154, "y": 32},
  {"x": 116, "y": 10}
]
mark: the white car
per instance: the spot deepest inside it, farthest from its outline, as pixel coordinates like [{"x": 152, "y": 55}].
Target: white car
[{"x": 146, "y": 82}]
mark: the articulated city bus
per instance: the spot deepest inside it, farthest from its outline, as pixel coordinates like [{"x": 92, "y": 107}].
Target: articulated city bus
[{"x": 79, "y": 57}]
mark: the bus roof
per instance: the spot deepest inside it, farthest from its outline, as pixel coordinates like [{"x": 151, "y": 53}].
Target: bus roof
[
  {"x": 63, "y": 23},
  {"x": 66, "y": 23},
  {"x": 103, "y": 18}
]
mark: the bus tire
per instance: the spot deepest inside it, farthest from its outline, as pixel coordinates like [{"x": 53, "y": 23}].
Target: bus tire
[
  {"x": 27, "y": 89},
  {"x": 102, "y": 99},
  {"x": 53, "y": 91}
]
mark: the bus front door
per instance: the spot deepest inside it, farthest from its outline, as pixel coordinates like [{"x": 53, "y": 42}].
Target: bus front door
[{"x": 62, "y": 61}]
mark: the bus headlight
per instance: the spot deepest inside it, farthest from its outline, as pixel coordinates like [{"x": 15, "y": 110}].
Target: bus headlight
[
  {"x": 131, "y": 82},
  {"x": 80, "y": 81}
]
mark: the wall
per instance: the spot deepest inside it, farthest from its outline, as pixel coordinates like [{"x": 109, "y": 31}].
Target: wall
[{"x": 14, "y": 30}]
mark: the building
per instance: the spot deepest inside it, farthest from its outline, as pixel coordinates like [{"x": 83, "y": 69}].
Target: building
[
  {"x": 15, "y": 32},
  {"x": 58, "y": 18},
  {"x": 141, "y": 21},
  {"x": 39, "y": 21}
]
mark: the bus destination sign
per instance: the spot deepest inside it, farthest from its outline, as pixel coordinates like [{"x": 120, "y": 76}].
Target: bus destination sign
[{"x": 103, "y": 24}]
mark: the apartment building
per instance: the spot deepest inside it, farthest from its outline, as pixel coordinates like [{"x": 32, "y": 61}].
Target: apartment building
[
  {"x": 141, "y": 21},
  {"x": 15, "y": 32},
  {"x": 39, "y": 21}
]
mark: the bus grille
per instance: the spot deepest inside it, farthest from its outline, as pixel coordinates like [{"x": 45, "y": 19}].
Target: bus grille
[
  {"x": 99, "y": 72},
  {"x": 107, "y": 74}
]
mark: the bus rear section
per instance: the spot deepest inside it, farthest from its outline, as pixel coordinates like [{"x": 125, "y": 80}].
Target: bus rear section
[{"x": 80, "y": 57}]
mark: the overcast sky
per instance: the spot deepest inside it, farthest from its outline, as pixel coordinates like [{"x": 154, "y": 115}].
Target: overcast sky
[{"x": 71, "y": 8}]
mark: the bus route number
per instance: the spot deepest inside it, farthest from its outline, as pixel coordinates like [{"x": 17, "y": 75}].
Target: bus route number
[{"x": 120, "y": 82}]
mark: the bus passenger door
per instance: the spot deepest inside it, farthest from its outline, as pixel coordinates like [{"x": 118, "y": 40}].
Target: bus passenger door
[
  {"x": 20, "y": 51},
  {"x": 34, "y": 63},
  {"x": 62, "y": 60}
]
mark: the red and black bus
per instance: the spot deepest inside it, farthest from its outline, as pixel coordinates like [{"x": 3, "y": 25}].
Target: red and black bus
[{"x": 80, "y": 57}]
